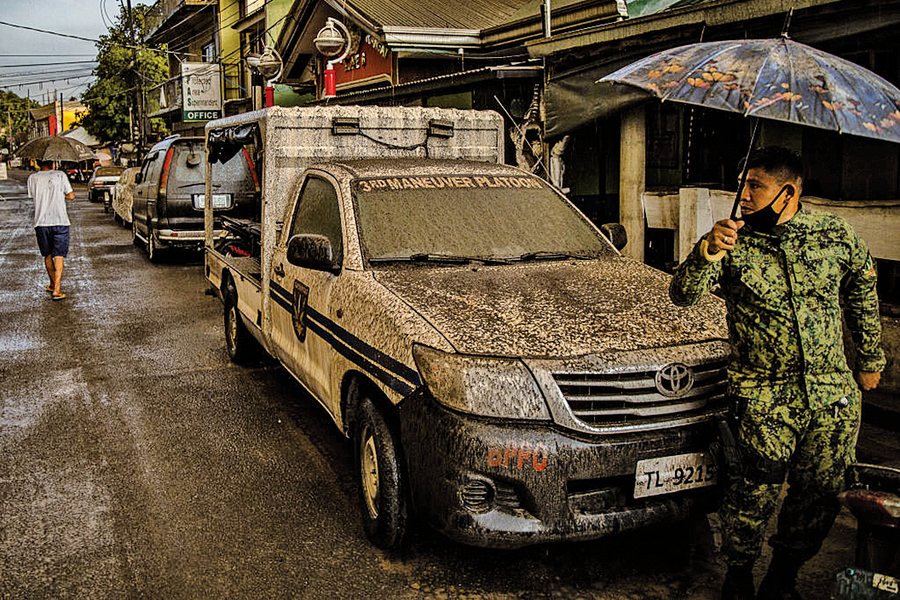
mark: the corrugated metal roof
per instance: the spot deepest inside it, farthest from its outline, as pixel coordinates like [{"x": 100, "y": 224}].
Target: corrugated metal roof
[
  {"x": 532, "y": 8},
  {"x": 470, "y": 75},
  {"x": 440, "y": 14}
]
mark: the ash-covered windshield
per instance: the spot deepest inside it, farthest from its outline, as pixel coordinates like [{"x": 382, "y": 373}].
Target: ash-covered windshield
[{"x": 474, "y": 216}]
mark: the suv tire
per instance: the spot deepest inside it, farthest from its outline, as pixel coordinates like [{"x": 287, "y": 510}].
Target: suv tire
[{"x": 154, "y": 252}]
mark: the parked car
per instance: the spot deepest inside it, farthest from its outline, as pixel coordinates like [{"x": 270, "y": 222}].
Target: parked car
[
  {"x": 123, "y": 195},
  {"x": 169, "y": 197},
  {"x": 101, "y": 183}
]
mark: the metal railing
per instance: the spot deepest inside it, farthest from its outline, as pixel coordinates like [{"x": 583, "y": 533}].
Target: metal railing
[
  {"x": 162, "y": 11},
  {"x": 168, "y": 96}
]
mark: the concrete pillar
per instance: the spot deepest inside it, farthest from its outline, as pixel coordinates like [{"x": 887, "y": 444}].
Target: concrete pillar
[
  {"x": 694, "y": 219},
  {"x": 632, "y": 177}
]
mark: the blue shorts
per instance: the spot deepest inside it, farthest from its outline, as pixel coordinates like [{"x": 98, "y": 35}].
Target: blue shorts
[{"x": 53, "y": 241}]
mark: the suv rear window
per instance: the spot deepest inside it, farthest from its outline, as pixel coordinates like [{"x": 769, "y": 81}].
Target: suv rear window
[
  {"x": 188, "y": 169},
  {"x": 188, "y": 166}
]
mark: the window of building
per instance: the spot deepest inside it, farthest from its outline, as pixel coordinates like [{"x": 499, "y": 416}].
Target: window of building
[
  {"x": 208, "y": 53},
  {"x": 248, "y": 7}
]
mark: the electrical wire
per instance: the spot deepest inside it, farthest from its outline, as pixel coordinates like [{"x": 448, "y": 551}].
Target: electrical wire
[
  {"x": 71, "y": 62},
  {"x": 59, "y": 72},
  {"x": 181, "y": 38},
  {"x": 66, "y": 35},
  {"x": 40, "y": 55},
  {"x": 104, "y": 15},
  {"x": 6, "y": 87}
]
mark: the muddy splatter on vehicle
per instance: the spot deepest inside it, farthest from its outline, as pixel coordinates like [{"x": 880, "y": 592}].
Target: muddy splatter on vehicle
[{"x": 501, "y": 370}]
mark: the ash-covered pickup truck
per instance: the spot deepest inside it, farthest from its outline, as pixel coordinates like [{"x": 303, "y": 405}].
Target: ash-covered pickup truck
[{"x": 501, "y": 369}]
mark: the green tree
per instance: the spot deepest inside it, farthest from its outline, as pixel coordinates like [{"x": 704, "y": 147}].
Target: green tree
[
  {"x": 13, "y": 115},
  {"x": 108, "y": 97}
]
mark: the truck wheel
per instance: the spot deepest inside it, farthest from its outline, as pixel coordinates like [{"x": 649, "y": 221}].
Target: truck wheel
[
  {"x": 242, "y": 347},
  {"x": 382, "y": 483}
]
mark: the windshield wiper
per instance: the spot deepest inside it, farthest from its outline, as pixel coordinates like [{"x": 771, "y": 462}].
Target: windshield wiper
[
  {"x": 215, "y": 185},
  {"x": 439, "y": 258},
  {"x": 549, "y": 255}
]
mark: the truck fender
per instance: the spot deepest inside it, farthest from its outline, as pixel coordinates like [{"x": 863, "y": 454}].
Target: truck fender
[{"x": 353, "y": 388}]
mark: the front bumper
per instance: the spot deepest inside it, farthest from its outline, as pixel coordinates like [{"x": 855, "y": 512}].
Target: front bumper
[{"x": 510, "y": 484}]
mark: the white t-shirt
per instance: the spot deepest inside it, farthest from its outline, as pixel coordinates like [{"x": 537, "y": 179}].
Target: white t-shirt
[{"x": 49, "y": 189}]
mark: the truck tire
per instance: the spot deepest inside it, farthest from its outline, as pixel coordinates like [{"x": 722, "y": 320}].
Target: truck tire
[
  {"x": 381, "y": 478},
  {"x": 242, "y": 347}
]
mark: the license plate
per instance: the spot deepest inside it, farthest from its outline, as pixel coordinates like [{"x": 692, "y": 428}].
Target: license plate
[
  {"x": 219, "y": 200},
  {"x": 667, "y": 474}
]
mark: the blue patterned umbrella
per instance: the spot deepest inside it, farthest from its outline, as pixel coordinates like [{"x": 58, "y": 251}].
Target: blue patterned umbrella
[{"x": 772, "y": 79}]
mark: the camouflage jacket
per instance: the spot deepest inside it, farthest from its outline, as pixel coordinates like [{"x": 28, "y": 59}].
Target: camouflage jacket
[{"x": 782, "y": 292}]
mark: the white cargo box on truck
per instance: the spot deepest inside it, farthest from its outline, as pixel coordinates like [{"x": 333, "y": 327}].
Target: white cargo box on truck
[{"x": 287, "y": 140}]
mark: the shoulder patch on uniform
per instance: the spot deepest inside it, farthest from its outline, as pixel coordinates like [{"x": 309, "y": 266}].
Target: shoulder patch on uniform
[{"x": 869, "y": 268}]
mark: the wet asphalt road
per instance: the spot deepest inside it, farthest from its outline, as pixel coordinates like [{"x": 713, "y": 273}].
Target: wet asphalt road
[{"x": 137, "y": 462}]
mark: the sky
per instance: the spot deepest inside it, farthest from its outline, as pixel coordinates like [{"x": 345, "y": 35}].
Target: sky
[{"x": 82, "y": 18}]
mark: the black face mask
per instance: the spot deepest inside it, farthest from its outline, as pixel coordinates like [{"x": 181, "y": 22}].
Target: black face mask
[{"x": 765, "y": 219}]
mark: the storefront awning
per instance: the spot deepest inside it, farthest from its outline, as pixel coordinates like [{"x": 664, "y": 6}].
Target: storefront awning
[{"x": 574, "y": 99}]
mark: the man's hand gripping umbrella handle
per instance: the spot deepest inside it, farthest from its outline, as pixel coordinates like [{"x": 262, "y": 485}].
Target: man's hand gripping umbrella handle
[{"x": 737, "y": 199}]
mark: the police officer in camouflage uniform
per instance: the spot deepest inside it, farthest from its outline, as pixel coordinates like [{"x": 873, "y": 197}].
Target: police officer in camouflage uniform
[{"x": 784, "y": 271}]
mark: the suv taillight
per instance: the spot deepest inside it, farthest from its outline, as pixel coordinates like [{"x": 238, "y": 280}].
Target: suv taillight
[{"x": 164, "y": 177}]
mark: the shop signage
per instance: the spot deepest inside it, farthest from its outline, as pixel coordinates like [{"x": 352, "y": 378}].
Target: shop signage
[
  {"x": 201, "y": 92},
  {"x": 372, "y": 62}
]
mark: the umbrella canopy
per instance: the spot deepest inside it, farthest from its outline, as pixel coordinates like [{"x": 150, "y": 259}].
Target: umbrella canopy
[
  {"x": 56, "y": 147},
  {"x": 772, "y": 79}
]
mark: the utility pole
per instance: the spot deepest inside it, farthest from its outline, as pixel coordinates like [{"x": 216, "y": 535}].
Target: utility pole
[{"x": 138, "y": 98}]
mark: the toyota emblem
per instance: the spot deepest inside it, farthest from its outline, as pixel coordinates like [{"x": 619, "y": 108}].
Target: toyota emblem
[{"x": 674, "y": 380}]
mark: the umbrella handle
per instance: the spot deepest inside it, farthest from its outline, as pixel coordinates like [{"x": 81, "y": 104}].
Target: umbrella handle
[{"x": 737, "y": 196}]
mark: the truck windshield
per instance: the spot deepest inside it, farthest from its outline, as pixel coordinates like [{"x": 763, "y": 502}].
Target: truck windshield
[{"x": 477, "y": 217}]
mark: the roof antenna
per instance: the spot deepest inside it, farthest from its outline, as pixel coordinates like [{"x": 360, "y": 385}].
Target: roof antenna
[{"x": 787, "y": 23}]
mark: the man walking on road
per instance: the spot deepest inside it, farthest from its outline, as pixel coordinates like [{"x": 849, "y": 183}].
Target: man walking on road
[
  {"x": 783, "y": 270},
  {"x": 50, "y": 189}
]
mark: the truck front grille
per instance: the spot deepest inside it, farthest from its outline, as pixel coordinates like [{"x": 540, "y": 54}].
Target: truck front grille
[{"x": 633, "y": 397}]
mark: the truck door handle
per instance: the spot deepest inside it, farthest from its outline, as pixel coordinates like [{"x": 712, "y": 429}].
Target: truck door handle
[{"x": 279, "y": 270}]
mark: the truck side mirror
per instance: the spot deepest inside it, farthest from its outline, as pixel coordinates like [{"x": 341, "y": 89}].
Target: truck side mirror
[
  {"x": 615, "y": 233},
  {"x": 311, "y": 251},
  {"x": 138, "y": 177}
]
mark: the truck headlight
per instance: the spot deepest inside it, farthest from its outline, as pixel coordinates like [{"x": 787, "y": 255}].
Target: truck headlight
[{"x": 485, "y": 386}]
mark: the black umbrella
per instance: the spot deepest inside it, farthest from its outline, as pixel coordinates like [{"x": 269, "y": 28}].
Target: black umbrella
[{"x": 55, "y": 147}]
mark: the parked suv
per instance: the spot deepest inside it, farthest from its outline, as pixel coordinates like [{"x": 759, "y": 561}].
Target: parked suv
[{"x": 169, "y": 196}]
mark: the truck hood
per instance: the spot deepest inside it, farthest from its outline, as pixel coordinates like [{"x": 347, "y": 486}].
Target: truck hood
[{"x": 554, "y": 309}]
